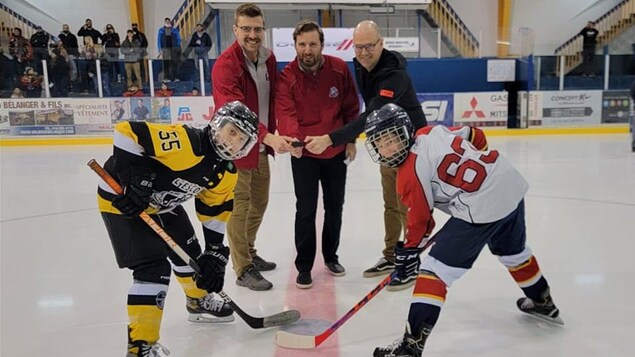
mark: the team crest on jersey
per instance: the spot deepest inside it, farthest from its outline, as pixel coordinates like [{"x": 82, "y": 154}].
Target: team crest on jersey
[
  {"x": 333, "y": 92},
  {"x": 160, "y": 299}
]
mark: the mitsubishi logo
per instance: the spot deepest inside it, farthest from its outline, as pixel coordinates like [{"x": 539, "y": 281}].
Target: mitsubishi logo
[{"x": 468, "y": 113}]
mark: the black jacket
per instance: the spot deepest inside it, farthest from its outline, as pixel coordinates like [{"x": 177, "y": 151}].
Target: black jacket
[
  {"x": 388, "y": 82},
  {"x": 70, "y": 43},
  {"x": 94, "y": 34},
  {"x": 204, "y": 46}
]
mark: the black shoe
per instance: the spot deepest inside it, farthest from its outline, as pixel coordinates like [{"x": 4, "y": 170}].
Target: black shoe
[
  {"x": 253, "y": 280},
  {"x": 408, "y": 346},
  {"x": 335, "y": 268},
  {"x": 544, "y": 310},
  {"x": 304, "y": 280},
  {"x": 382, "y": 267},
  {"x": 261, "y": 264}
]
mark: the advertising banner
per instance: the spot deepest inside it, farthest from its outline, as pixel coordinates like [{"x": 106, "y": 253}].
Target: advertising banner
[
  {"x": 402, "y": 44},
  {"x": 36, "y": 116},
  {"x": 193, "y": 111},
  {"x": 338, "y": 42},
  {"x": 480, "y": 109},
  {"x": 571, "y": 108},
  {"x": 437, "y": 107},
  {"x": 615, "y": 106}
]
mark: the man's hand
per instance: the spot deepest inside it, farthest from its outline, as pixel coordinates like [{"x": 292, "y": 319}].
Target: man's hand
[
  {"x": 279, "y": 143},
  {"x": 351, "y": 152},
  {"x": 317, "y": 144}
]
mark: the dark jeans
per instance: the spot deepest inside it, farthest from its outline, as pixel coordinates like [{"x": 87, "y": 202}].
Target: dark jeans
[
  {"x": 588, "y": 59},
  {"x": 170, "y": 63},
  {"x": 308, "y": 173}
]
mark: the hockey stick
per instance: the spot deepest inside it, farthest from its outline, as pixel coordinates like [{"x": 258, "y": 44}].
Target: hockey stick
[
  {"x": 291, "y": 340},
  {"x": 281, "y": 318}
]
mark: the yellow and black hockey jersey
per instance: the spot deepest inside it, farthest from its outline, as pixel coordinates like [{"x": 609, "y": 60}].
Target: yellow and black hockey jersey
[{"x": 185, "y": 165}]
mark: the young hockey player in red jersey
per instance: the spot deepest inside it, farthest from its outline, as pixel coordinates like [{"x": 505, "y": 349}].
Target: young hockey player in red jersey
[
  {"x": 160, "y": 167},
  {"x": 452, "y": 170}
]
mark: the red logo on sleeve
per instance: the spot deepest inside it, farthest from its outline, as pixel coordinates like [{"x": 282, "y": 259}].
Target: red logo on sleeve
[{"x": 386, "y": 93}]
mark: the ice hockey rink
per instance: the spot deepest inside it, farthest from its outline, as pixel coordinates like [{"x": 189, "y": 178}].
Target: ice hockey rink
[{"x": 63, "y": 295}]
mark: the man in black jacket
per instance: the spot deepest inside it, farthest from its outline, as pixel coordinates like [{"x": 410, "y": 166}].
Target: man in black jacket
[
  {"x": 40, "y": 43},
  {"x": 88, "y": 30},
  {"x": 201, "y": 43},
  {"x": 589, "y": 40},
  {"x": 382, "y": 78},
  {"x": 143, "y": 41}
]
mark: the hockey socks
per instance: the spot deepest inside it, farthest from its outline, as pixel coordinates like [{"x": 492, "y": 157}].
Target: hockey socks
[
  {"x": 529, "y": 278},
  {"x": 145, "y": 310},
  {"x": 428, "y": 298}
]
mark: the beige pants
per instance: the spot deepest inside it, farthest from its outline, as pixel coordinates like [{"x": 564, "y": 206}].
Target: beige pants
[
  {"x": 395, "y": 218},
  {"x": 136, "y": 68},
  {"x": 251, "y": 196}
]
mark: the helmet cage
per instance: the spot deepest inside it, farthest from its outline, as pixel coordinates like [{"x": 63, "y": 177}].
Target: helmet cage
[
  {"x": 395, "y": 137},
  {"x": 226, "y": 141}
]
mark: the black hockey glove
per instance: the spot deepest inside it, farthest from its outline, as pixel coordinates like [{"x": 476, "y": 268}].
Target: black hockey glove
[
  {"x": 137, "y": 191},
  {"x": 212, "y": 263},
  {"x": 406, "y": 260}
]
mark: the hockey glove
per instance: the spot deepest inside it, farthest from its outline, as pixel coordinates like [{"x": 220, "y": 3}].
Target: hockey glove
[
  {"x": 406, "y": 261},
  {"x": 137, "y": 191},
  {"x": 212, "y": 263}
]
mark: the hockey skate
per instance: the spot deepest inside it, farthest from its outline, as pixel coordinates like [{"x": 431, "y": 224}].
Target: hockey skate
[
  {"x": 143, "y": 349},
  {"x": 408, "y": 346},
  {"x": 209, "y": 309},
  {"x": 545, "y": 310}
]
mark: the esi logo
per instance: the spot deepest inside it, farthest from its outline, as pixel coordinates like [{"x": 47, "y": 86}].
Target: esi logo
[
  {"x": 438, "y": 108},
  {"x": 185, "y": 114}
]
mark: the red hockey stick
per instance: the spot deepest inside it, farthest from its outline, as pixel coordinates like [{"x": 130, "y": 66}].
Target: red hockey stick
[
  {"x": 291, "y": 340},
  {"x": 281, "y": 318}
]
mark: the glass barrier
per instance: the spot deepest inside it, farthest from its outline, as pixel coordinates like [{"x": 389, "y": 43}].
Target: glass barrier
[{"x": 590, "y": 74}]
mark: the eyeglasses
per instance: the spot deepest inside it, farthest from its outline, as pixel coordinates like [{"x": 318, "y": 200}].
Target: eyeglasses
[
  {"x": 370, "y": 47},
  {"x": 248, "y": 29}
]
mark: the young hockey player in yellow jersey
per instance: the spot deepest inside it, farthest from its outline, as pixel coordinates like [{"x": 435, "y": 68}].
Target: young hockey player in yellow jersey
[{"x": 161, "y": 167}]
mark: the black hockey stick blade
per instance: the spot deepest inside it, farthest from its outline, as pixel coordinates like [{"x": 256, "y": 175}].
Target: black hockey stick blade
[{"x": 279, "y": 319}]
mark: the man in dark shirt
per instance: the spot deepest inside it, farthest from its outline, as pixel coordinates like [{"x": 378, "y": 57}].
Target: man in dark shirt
[
  {"x": 143, "y": 41},
  {"x": 589, "y": 36},
  {"x": 40, "y": 43},
  {"x": 382, "y": 78},
  {"x": 201, "y": 43},
  {"x": 88, "y": 30}
]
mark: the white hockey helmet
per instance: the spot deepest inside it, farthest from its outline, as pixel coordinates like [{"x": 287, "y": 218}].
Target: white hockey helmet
[{"x": 233, "y": 131}]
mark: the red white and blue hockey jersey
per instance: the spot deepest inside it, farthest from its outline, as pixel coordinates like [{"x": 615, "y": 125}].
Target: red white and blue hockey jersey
[{"x": 452, "y": 170}]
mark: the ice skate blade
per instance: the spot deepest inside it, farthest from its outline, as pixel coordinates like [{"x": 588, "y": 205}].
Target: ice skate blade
[
  {"x": 557, "y": 321},
  {"x": 209, "y": 319}
]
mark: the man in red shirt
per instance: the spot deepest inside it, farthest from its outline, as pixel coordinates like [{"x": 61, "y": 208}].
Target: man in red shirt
[
  {"x": 246, "y": 71},
  {"x": 316, "y": 95}
]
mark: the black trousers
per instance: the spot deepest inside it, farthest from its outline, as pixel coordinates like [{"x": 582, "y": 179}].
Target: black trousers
[
  {"x": 588, "y": 59},
  {"x": 308, "y": 174}
]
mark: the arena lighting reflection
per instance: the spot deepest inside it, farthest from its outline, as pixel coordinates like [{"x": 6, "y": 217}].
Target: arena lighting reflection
[
  {"x": 55, "y": 301},
  {"x": 589, "y": 279}
]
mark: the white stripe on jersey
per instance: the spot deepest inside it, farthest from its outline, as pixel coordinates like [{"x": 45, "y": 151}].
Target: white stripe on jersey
[
  {"x": 501, "y": 190},
  {"x": 126, "y": 143}
]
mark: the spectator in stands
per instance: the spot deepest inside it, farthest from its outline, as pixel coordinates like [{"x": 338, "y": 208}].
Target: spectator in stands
[
  {"x": 633, "y": 116},
  {"x": 17, "y": 93},
  {"x": 21, "y": 53},
  {"x": 112, "y": 43},
  {"x": 131, "y": 49},
  {"x": 164, "y": 91},
  {"x": 246, "y": 71},
  {"x": 381, "y": 78},
  {"x": 140, "y": 112},
  {"x": 72, "y": 48},
  {"x": 59, "y": 73},
  {"x": 87, "y": 64},
  {"x": 589, "y": 39},
  {"x": 40, "y": 43},
  {"x": 88, "y": 30},
  {"x": 193, "y": 93},
  {"x": 201, "y": 44},
  {"x": 143, "y": 43},
  {"x": 169, "y": 45},
  {"x": 316, "y": 94},
  {"x": 133, "y": 91},
  {"x": 31, "y": 83},
  {"x": 105, "y": 69}
]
